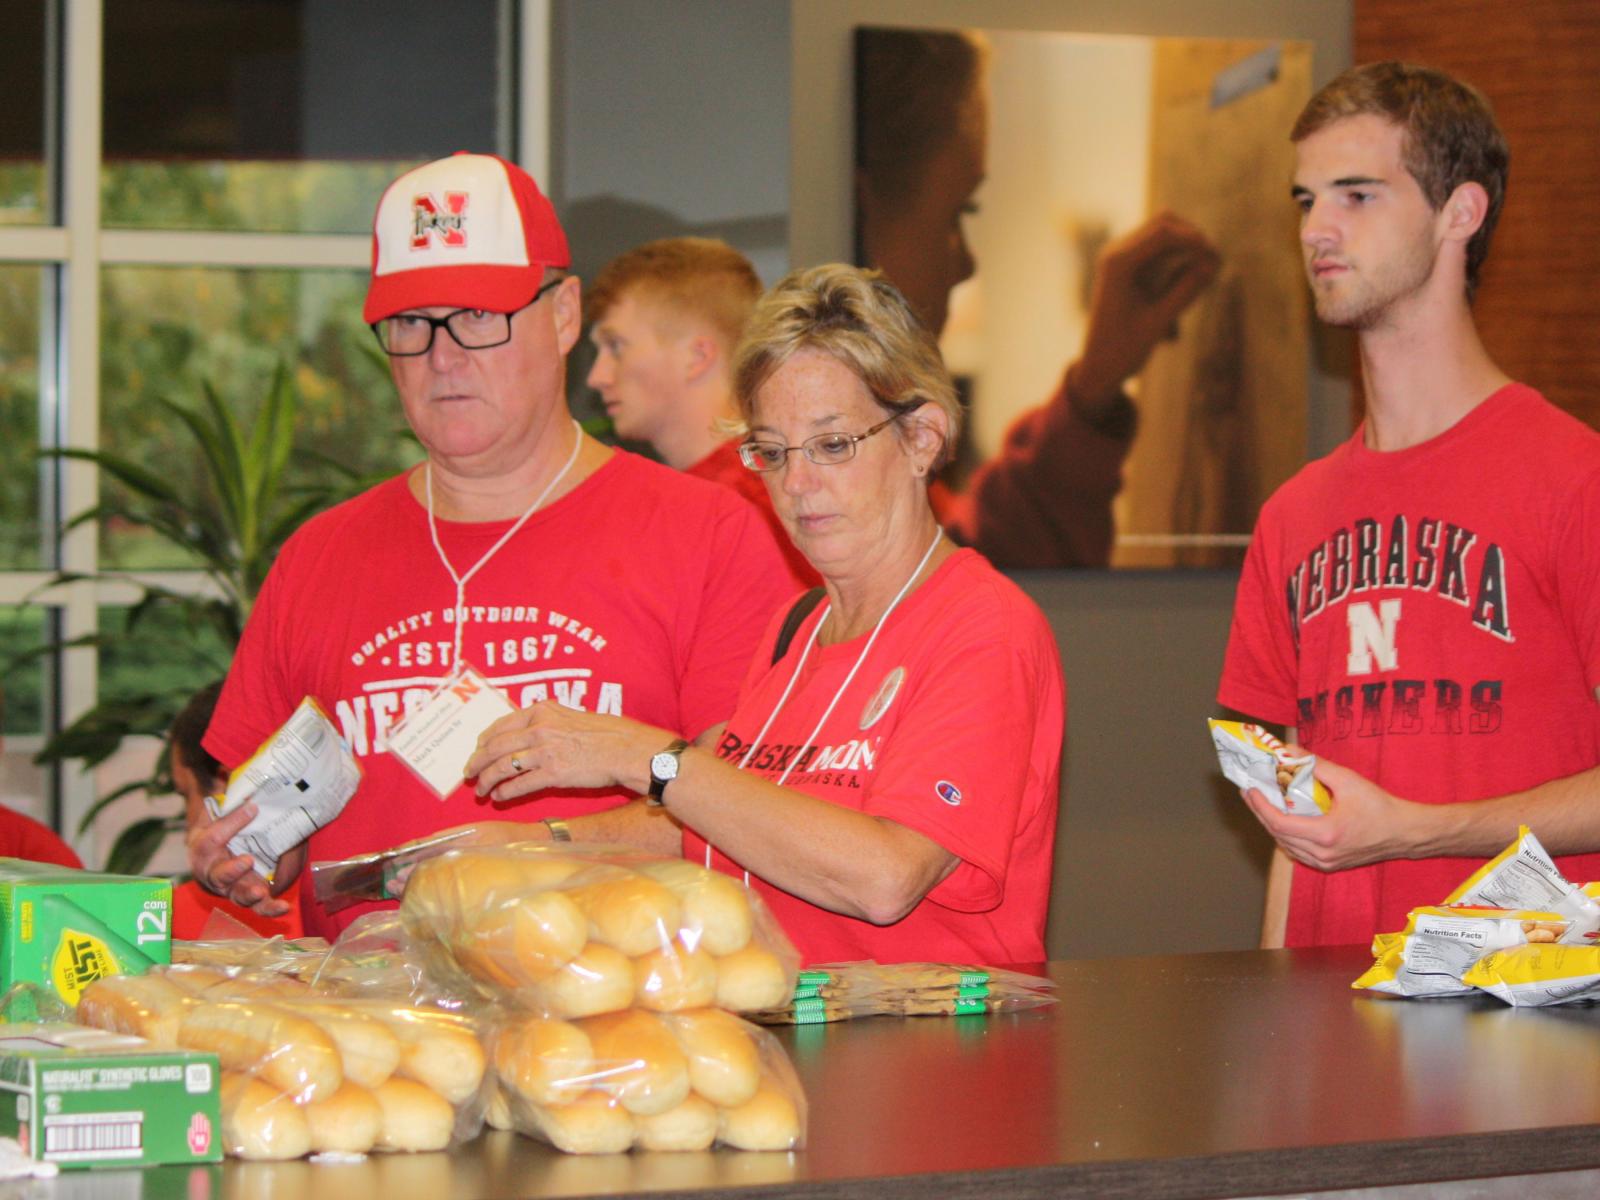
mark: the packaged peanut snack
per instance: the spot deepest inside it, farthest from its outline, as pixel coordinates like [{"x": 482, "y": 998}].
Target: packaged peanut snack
[
  {"x": 299, "y": 779},
  {"x": 1523, "y": 875},
  {"x": 1439, "y": 945},
  {"x": 1537, "y": 975},
  {"x": 1251, "y": 757}
]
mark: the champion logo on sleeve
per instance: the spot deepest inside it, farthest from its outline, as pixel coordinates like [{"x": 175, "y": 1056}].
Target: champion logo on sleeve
[{"x": 948, "y": 792}]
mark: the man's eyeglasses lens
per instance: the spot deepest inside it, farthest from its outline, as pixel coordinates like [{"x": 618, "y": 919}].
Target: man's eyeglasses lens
[{"x": 409, "y": 334}]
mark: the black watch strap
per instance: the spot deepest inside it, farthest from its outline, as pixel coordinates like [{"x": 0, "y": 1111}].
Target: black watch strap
[{"x": 661, "y": 773}]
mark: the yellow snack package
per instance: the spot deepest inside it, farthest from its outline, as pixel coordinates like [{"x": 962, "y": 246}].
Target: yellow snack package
[
  {"x": 1524, "y": 876},
  {"x": 1537, "y": 975},
  {"x": 1439, "y": 945},
  {"x": 1251, "y": 757}
]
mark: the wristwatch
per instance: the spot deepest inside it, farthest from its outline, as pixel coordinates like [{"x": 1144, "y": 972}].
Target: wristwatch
[{"x": 663, "y": 770}]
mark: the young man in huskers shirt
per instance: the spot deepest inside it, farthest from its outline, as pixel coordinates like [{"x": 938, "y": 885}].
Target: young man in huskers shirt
[
  {"x": 665, "y": 318},
  {"x": 556, "y": 566},
  {"x": 1422, "y": 606}
]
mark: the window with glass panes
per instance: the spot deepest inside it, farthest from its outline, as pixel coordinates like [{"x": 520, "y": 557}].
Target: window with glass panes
[{"x": 185, "y": 192}]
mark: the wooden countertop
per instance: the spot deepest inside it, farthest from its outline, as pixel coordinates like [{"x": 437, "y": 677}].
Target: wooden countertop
[{"x": 1179, "y": 1076}]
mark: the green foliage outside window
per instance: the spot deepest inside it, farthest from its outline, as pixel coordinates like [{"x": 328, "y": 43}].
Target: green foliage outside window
[
  {"x": 166, "y": 330},
  {"x": 22, "y": 193},
  {"x": 22, "y": 628},
  {"x": 266, "y": 197},
  {"x": 19, "y": 416}
]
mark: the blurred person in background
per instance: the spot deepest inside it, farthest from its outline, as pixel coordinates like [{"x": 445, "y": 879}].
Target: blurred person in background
[
  {"x": 921, "y": 155},
  {"x": 664, "y": 319}
]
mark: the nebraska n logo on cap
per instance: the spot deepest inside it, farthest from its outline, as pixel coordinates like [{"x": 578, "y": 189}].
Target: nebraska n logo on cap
[{"x": 428, "y": 218}]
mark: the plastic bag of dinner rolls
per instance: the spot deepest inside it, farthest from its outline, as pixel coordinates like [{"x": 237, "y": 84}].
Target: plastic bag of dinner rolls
[
  {"x": 306, "y": 1073},
  {"x": 1539, "y": 974},
  {"x": 683, "y": 1080},
  {"x": 1438, "y": 946},
  {"x": 578, "y": 932},
  {"x": 275, "y": 955},
  {"x": 1523, "y": 875},
  {"x": 1253, "y": 758}
]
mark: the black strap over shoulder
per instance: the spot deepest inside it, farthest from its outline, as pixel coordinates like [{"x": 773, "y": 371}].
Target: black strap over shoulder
[{"x": 802, "y": 609}]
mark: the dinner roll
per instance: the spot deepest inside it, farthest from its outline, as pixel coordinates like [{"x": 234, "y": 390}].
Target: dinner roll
[
  {"x": 638, "y": 1060},
  {"x": 724, "y": 1061},
  {"x": 289, "y": 1052},
  {"x": 691, "y": 1125},
  {"x": 750, "y": 980},
  {"x": 414, "y": 1117},
  {"x": 516, "y": 942},
  {"x": 767, "y": 1121},
  {"x": 369, "y": 1052},
  {"x": 597, "y": 980},
  {"x": 674, "y": 977},
  {"x": 632, "y": 913},
  {"x": 259, "y": 1121},
  {"x": 546, "y": 1062},
  {"x": 594, "y": 1123},
  {"x": 347, "y": 1122},
  {"x": 716, "y": 909},
  {"x": 147, "y": 1006},
  {"x": 437, "y": 1051}
]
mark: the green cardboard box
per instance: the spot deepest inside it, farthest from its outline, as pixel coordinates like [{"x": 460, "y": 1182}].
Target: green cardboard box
[
  {"x": 63, "y": 929},
  {"x": 83, "y": 1097}
]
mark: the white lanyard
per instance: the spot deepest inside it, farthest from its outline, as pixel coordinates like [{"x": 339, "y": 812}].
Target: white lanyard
[
  {"x": 461, "y": 580},
  {"x": 837, "y": 696}
]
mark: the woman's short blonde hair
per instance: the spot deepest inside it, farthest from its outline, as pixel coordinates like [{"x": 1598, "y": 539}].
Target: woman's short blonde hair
[{"x": 858, "y": 318}]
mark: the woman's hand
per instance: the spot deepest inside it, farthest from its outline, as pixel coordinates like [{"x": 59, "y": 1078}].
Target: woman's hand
[
  {"x": 221, "y": 871},
  {"x": 549, "y": 745}
]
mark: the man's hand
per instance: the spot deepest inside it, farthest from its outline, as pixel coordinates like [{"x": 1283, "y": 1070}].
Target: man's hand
[
  {"x": 232, "y": 875},
  {"x": 1365, "y": 824},
  {"x": 1143, "y": 281}
]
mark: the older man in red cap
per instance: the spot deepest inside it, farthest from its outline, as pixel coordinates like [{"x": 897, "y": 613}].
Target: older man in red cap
[{"x": 555, "y": 566}]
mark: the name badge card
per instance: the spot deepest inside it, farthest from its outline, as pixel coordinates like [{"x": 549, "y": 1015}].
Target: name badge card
[{"x": 437, "y": 739}]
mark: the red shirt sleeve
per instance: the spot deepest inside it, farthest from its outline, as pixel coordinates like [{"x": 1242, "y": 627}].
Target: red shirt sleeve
[
  {"x": 1045, "y": 499},
  {"x": 255, "y": 699},
  {"x": 23, "y": 837},
  {"x": 1259, "y": 672},
  {"x": 1577, "y": 581},
  {"x": 961, "y": 731}
]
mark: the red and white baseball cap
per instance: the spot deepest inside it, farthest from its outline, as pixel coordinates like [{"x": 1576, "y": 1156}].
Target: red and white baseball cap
[{"x": 468, "y": 231}]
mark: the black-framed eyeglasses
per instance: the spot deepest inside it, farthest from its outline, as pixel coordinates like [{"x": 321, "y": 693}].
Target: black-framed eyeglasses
[
  {"x": 408, "y": 335},
  {"x": 825, "y": 449}
]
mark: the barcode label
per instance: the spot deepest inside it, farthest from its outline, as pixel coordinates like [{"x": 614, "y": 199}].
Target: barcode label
[{"x": 94, "y": 1135}]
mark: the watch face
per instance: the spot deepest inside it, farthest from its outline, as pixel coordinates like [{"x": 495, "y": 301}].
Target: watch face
[{"x": 664, "y": 765}]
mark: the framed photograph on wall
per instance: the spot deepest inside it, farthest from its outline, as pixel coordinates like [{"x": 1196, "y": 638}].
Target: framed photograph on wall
[{"x": 1099, "y": 230}]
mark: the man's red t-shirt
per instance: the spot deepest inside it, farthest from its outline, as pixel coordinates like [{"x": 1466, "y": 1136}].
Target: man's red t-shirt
[
  {"x": 1429, "y": 617},
  {"x": 641, "y": 592}
]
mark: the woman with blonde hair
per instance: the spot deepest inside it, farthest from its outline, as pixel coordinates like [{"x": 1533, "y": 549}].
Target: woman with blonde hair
[{"x": 888, "y": 780}]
